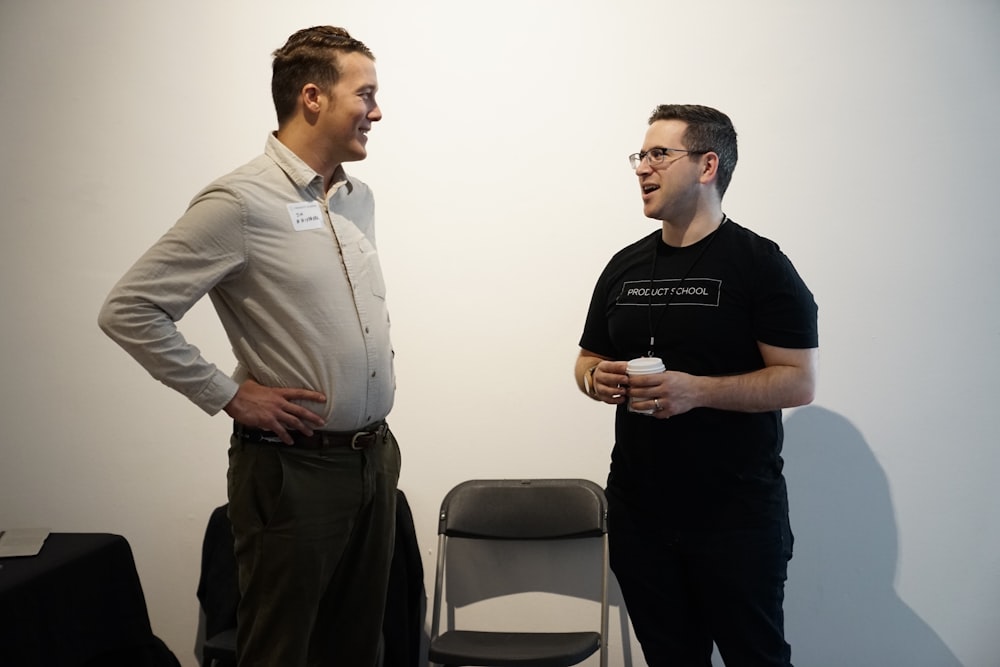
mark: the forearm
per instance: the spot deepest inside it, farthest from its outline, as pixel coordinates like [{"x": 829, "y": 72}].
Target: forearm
[
  {"x": 771, "y": 388},
  {"x": 151, "y": 337}
]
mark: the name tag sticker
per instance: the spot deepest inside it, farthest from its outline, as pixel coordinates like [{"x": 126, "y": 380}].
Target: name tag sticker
[{"x": 305, "y": 215}]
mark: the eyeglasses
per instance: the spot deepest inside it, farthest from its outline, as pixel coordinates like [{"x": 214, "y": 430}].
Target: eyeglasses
[{"x": 656, "y": 156}]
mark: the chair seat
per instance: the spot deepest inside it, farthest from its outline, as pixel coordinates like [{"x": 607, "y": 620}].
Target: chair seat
[
  {"x": 513, "y": 649},
  {"x": 220, "y": 650}
]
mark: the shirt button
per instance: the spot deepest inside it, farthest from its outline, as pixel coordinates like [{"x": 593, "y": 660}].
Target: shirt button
[{"x": 373, "y": 373}]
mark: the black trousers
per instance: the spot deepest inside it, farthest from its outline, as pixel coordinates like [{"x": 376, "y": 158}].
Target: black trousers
[
  {"x": 313, "y": 533},
  {"x": 686, "y": 590}
]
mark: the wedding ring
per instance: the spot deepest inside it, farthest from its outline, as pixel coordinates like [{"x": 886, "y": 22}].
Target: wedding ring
[{"x": 656, "y": 404}]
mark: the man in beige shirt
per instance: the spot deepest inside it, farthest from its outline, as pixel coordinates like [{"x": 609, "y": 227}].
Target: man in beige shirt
[{"x": 285, "y": 248}]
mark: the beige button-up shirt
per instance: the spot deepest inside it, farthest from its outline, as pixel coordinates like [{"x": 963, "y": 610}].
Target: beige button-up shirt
[{"x": 295, "y": 279}]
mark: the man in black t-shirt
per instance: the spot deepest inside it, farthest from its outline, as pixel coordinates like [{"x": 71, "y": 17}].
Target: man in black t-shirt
[{"x": 698, "y": 511}]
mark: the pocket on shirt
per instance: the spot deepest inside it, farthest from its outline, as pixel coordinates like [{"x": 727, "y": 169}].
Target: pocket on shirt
[{"x": 372, "y": 268}]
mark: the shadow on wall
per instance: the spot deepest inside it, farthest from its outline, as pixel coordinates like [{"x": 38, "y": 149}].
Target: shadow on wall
[{"x": 841, "y": 607}]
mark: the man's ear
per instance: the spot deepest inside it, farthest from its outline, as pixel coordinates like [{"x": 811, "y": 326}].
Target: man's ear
[
  {"x": 709, "y": 167},
  {"x": 310, "y": 98}
]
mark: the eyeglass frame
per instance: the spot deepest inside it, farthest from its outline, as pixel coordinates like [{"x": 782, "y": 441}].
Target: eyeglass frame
[{"x": 635, "y": 159}]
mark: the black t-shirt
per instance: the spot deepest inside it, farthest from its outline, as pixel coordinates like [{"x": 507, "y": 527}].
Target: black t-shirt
[{"x": 705, "y": 306}]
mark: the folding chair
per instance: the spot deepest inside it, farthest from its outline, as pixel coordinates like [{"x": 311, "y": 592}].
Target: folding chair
[
  {"x": 519, "y": 510},
  {"x": 218, "y": 593}
]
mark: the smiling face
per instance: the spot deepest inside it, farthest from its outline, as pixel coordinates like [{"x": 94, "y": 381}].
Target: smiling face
[
  {"x": 671, "y": 189},
  {"x": 348, "y": 110}
]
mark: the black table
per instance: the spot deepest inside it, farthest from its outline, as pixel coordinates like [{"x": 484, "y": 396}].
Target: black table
[{"x": 78, "y": 602}]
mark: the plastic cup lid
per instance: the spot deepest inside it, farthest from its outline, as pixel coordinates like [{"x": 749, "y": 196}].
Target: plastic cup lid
[{"x": 645, "y": 365}]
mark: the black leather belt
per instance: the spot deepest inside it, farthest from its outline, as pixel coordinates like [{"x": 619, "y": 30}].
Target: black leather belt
[{"x": 366, "y": 437}]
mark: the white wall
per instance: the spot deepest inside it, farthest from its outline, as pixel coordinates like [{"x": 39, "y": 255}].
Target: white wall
[{"x": 868, "y": 144}]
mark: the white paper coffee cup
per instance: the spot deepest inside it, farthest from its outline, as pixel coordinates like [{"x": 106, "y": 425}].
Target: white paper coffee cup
[{"x": 644, "y": 366}]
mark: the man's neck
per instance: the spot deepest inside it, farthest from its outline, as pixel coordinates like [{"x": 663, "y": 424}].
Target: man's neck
[
  {"x": 681, "y": 233},
  {"x": 309, "y": 151}
]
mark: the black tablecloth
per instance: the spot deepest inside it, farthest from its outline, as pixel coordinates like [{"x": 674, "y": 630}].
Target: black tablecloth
[{"x": 78, "y": 602}]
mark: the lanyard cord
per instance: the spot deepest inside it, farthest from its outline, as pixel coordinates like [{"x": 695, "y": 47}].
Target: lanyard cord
[{"x": 652, "y": 277}]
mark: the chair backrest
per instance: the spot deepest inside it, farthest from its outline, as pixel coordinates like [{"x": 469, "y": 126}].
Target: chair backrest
[{"x": 524, "y": 509}]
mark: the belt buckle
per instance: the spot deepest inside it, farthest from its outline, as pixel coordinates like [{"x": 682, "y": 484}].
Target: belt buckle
[{"x": 373, "y": 435}]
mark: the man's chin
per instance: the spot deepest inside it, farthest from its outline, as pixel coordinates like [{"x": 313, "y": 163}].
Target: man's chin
[{"x": 357, "y": 155}]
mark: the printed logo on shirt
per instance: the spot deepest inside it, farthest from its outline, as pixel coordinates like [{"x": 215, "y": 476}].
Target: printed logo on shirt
[
  {"x": 305, "y": 215},
  {"x": 688, "y": 292}
]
